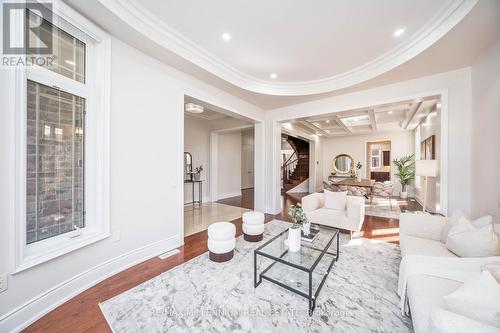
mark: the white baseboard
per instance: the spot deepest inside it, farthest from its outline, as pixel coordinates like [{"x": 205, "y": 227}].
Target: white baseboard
[
  {"x": 32, "y": 310},
  {"x": 221, "y": 196},
  {"x": 204, "y": 199}
]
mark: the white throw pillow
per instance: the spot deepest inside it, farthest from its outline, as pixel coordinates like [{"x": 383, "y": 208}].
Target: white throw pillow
[
  {"x": 482, "y": 221},
  {"x": 452, "y": 220},
  {"x": 335, "y": 200},
  {"x": 450, "y": 223},
  {"x": 443, "y": 321},
  {"x": 478, "y": 298},
  {"x": 467, "y": 241}
]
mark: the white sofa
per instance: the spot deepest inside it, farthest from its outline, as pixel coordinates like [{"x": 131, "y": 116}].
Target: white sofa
[
  {"x": 421, "y": 235},
  {"x": 349, "y": 219}
]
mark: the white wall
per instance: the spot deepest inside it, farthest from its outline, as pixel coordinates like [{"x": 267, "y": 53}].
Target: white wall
[
  {"x": 355, "y": 145},
  {"x": 454, "y": 86},
  {"x": 197, "y": 142},
  {"x": 147, "y": 100},
  {"x": 430, "y": 126},
  {"x": 485, "y": 171},
  {"x": 229, "y": 165}
]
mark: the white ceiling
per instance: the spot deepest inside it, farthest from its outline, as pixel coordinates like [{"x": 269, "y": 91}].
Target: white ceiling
[
  {"x": 458, "y": 48},
  {"x": 207, "y": 114},
  {"x": 401, "y": 116},
  {"x": 212, "y": 112},
  {"x": 298, "y": 40}
]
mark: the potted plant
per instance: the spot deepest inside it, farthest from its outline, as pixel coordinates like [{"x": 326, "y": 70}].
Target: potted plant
[
  {"x": 358, "y": 174},
  {"x": 197, "y": 172},
  {"x": 405, "y": 173},
  {"x": 294, "y": 232}
]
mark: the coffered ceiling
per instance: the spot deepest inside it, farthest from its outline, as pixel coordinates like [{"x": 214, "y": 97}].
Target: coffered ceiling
[
  {"x": 316, "y": 49},
  {"x": 401, "y": 116}
]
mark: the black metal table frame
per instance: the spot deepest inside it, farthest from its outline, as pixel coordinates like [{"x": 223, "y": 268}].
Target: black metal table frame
[
  {"x": 200, "y": 192},
  {"x": 310, "y": 296}
]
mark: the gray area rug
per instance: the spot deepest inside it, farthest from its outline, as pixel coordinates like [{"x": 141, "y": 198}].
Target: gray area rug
[
  {"x": 381, "y": 207},
  {"x": 359, "y": 295}
]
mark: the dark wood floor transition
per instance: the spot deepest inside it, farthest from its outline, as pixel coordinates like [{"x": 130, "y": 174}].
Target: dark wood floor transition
[{"x": 82, "y": 313}]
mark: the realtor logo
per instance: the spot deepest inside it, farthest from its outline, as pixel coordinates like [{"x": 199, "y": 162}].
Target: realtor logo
[{"x": 23, "y": 32}]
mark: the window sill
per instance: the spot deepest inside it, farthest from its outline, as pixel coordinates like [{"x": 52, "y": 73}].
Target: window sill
[{"x": 43, "y": 251}]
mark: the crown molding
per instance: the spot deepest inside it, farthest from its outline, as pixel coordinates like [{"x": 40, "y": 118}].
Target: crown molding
[{"x": 154, "y": 29}]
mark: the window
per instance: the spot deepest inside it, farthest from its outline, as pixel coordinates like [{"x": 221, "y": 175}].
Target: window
[
  {"x": 61, "y": 110},
  {"x": 55, "y": 118},
  {"x": 375, "y": 157},
  {"x": 68, "y": 51},
  {"x": 55, "y": 162}
]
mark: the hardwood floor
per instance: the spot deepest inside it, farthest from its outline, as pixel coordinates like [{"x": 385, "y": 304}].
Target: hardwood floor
[
  {"x": 245, "y": 200},
  {"x": 82, "y": 313}
]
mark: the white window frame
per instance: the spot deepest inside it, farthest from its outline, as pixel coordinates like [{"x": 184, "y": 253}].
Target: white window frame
[
  {"x": 378, "y": 157},
  {"x": 96, "y": 91}
]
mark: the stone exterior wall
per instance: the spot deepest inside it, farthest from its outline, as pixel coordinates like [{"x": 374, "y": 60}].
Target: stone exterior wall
[{"x": 54, "y": 178}]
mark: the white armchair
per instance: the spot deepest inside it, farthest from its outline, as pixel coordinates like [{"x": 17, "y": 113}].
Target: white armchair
[{"x": 349, "y": 219}]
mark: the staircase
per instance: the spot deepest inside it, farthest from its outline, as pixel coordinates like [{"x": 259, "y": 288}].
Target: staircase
[{"x": 296, "y": 169}]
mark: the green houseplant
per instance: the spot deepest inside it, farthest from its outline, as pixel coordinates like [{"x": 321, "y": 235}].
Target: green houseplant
[
  {"x": 197, "y": 172},
  {"x": 294, "y": 232},
  {"x": 358, "y": 172},
  {"x": 405, "y": 173},
  {"x": 297, "y": 214}
]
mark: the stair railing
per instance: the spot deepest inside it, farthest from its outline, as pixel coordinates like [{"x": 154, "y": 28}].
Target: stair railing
[{"x": 289, "y": 167}]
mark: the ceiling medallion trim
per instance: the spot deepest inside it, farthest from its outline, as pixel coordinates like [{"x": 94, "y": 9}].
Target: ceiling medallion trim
[{"x": 151, "y": 27}]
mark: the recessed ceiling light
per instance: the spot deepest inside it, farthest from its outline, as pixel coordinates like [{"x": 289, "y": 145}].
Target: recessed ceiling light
[
  {"x": 226, "y": 36},
  {"x": 273, "y": 76},
  {"x": 390, "y": 112},
  {"x": 399, "y": 32},
  {"x": 328, "y": 121},
  {"x": 193, "y": 108}
]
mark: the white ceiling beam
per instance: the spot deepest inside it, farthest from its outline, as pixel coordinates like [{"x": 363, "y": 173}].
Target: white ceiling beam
[
  {"x": 373, "y": 119},
  {"x": 297, "y": 124},
  {"x": 313, "y": 127},
  {"x": 341, "y": 124},
  {"x": 426, "y": 114},
  {"x": 332, "y": 116},
  {"x": 411, "y": 114},
  {"x": 399, "y": 107}
]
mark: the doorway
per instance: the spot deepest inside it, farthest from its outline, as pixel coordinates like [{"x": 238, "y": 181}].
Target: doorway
[{"x": 378, "y": 160}]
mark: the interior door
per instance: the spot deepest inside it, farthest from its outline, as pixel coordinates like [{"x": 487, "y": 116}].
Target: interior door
[{"x": 247, "y": 166}]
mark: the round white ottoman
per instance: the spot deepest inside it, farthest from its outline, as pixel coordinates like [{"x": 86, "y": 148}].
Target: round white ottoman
[
  {"x": 253, "y": 226},
  {"x": 221, "y": 241}
]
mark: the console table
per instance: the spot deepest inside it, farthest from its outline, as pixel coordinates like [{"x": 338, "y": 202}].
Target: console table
[
  {"x": 200, "y": 192},
  {"x": 366, "y": 183}
]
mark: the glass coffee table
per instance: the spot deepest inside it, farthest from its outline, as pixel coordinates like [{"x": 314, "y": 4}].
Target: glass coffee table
[{"x": 303, "y": 272}]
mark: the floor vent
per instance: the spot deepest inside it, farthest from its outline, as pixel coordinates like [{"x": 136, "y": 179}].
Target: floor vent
[{"x": 168, "y": 254}]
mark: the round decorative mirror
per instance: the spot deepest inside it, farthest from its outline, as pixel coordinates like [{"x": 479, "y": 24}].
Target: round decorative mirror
[
  {"x": 188, "y": 166},
  {"x": 343, "y": 163}
]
